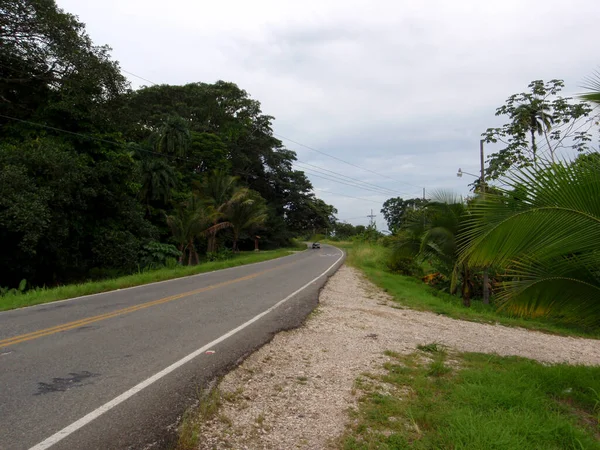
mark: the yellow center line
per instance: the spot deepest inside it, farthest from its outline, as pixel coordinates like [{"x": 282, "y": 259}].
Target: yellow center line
[{"x": 78, "y": 323}]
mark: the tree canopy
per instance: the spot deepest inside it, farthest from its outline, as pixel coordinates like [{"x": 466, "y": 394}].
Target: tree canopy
[{"x": 90, "y": 169}]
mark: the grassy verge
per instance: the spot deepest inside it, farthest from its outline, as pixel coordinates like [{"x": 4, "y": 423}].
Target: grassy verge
[
  {"x": 476, "y": 401},
  {"x": 45, "y": 295},
  {"x": 415, "y": 294}
]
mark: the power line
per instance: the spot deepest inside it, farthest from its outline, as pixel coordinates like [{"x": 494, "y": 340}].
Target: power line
[
  {"x": 316, "y": 174},
  {"x": 354, "y": 218},
  {"x": 318, "y": 151},
  {"x": 356, "y": 198},
  {"x": 344, "y": 161},
  {"x": 93, "y": 138},
  {"x": 137, "y": 76},
  {"x": 350, "y": 178}
]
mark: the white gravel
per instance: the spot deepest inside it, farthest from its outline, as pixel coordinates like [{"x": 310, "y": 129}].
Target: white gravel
[{"x": 295, "y": 391}]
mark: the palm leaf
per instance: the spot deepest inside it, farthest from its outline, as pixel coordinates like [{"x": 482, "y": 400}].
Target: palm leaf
[{"x": 544, "y": 229}]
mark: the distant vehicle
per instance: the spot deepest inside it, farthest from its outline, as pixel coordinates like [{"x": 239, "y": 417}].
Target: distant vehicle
[{"x": 316, "y": 245}]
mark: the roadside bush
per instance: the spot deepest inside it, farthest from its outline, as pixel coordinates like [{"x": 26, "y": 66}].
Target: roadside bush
[
  {"x": 221, "y": 254},
  {"x": 404, "y": 265},
  {"x": 155, "y": 255}
]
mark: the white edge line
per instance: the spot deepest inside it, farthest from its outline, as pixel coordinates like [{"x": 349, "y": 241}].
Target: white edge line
[
  {"x": 70, "y": 429},
  {"x": 85, "y": 297}
]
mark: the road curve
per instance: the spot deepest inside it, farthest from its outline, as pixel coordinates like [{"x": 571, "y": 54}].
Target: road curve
[{"x": 116, "y": 370}]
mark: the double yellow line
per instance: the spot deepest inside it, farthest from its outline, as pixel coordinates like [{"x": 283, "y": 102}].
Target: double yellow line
[{"x": 79, "y": 323}]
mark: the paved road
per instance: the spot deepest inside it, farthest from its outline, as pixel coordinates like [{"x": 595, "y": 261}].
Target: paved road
[{"x": 116, "y": 370}]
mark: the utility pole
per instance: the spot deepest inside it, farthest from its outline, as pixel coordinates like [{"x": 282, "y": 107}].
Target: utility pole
[
  {"x": 486, "y": 281},
  {"x": 481, "y": 158},
  {"x": 423, "y": 193},
  {"x": 372, "y": 217}
]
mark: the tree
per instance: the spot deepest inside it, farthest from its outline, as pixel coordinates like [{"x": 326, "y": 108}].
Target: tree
[
  {"x": 173, "y": 137},
  {"x": 246, "y": 214},
  {"x": 431, "y": 234},
  {"x": 52, "y": 72},
  {"x": 544, "y": 231},
  {"x": 395, "y": 211},
  {"x": 158, "y": 178},
  {"x": 220, "y": 191},
  {"x": 190, "y": 221},
  {"x": 537, "y": 118},
  {"x": 539, "y": 112}
]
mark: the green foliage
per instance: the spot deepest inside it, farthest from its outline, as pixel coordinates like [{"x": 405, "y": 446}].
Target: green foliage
[
  {"x": 412, "y": 293},
  {"x": 247, "y": 214},
  {"x": 222, "y": 254},
  {"x": 542, "y": 113},
  {"x": 488, "y": 402},
  {"x": 89, "y": 169},
  {"x": 397, "y": 211},
  {"x": 544, "y": 231},
  {"x": 156, "y": 254},
  {"x": 593, "y": 87}
]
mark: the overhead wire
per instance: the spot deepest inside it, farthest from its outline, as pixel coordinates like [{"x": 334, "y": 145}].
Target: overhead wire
[
  {"x": 93, "y": 138},
  {"x": 346, "y": 181},
  {"x": 313, "y": 149},
  {"x": 344, "y": 161},
  {"x": 332, "y": 175},
  {"x": 348, "y": 177},
  {"x": 329, "y": 178},
  {"x": 350, "y": 196}
]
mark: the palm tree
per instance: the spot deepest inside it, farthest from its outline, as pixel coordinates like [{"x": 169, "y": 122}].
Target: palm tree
[
  {"x": 158, "y": 178},
  {"x": 433, "y": 236},
  {"x": 537, "y": 119},
  {"x": 544, "y": 231},
  {"x": 173, "y": 137},
  {"x": 247, "y": 214},
  {"x": 190, "y": 221},
  {"x": 220, "y": 191}
]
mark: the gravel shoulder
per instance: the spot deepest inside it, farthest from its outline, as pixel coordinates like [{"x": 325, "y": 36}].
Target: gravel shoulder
[{"x": 295, "y": 392}]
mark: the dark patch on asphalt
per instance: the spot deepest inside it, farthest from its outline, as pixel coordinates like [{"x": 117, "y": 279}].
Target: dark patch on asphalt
[
  {"x": 64, "y": 384},
  {"x": 86, "y": 327},
  {"x": 52, "y": 307}
]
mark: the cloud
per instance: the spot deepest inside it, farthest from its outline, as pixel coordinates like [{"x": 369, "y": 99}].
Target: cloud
[{"x": 402, "y": 88}]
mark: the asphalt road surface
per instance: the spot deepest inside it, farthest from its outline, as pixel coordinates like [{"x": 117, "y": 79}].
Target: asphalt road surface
[{"x": 117, "y": 370}]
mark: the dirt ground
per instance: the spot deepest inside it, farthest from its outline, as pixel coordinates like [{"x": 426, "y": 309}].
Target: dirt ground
[{"x": 295, "y": 392}]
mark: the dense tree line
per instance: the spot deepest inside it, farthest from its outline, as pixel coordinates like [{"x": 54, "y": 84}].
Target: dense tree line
[{"x": 94, "y": 175}]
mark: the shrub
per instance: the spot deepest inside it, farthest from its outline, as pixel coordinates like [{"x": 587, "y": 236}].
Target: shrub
[{"x": 156, "y": 254}]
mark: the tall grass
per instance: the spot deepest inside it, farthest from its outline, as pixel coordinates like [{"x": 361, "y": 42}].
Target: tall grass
[
  {"x": 45, "y": 295},
  {"x": 411, "y": 292}
]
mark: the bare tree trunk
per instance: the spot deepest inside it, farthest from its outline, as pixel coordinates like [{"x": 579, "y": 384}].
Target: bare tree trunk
[
  {"x": 235, "y": 240},
  {"x": 212, "y": 243},
  {"x": 534, "y": 147},
  {"x": 181, "y": 250},
  {"x": 466, "y": 294},
  {"x": 191, "y": 250},
  {"x": 486, "y": 287}
]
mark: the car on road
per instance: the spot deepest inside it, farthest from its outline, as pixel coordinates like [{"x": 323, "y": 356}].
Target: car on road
[{"x": 316, "y": 245}]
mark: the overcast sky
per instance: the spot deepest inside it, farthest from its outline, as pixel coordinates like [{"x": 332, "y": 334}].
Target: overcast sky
[{"x": 401, "y": 88}]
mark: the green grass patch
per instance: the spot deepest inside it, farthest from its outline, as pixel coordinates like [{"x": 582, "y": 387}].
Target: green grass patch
[
  {"x": 415, "y": 294},
  {"x": 485, "y": 402},
  {"x": 45, "y": 295}
]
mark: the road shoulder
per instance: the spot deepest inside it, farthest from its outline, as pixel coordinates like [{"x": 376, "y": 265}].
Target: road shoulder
[{"x": 296, "y": 391}]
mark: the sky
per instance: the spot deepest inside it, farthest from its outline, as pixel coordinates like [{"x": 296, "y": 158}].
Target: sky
[{"x": 402, "y": 90}]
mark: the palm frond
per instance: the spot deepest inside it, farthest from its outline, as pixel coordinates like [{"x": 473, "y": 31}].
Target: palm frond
[
  {"x": 592, "y": 84},
  {"x": 544, "y": 229}
]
